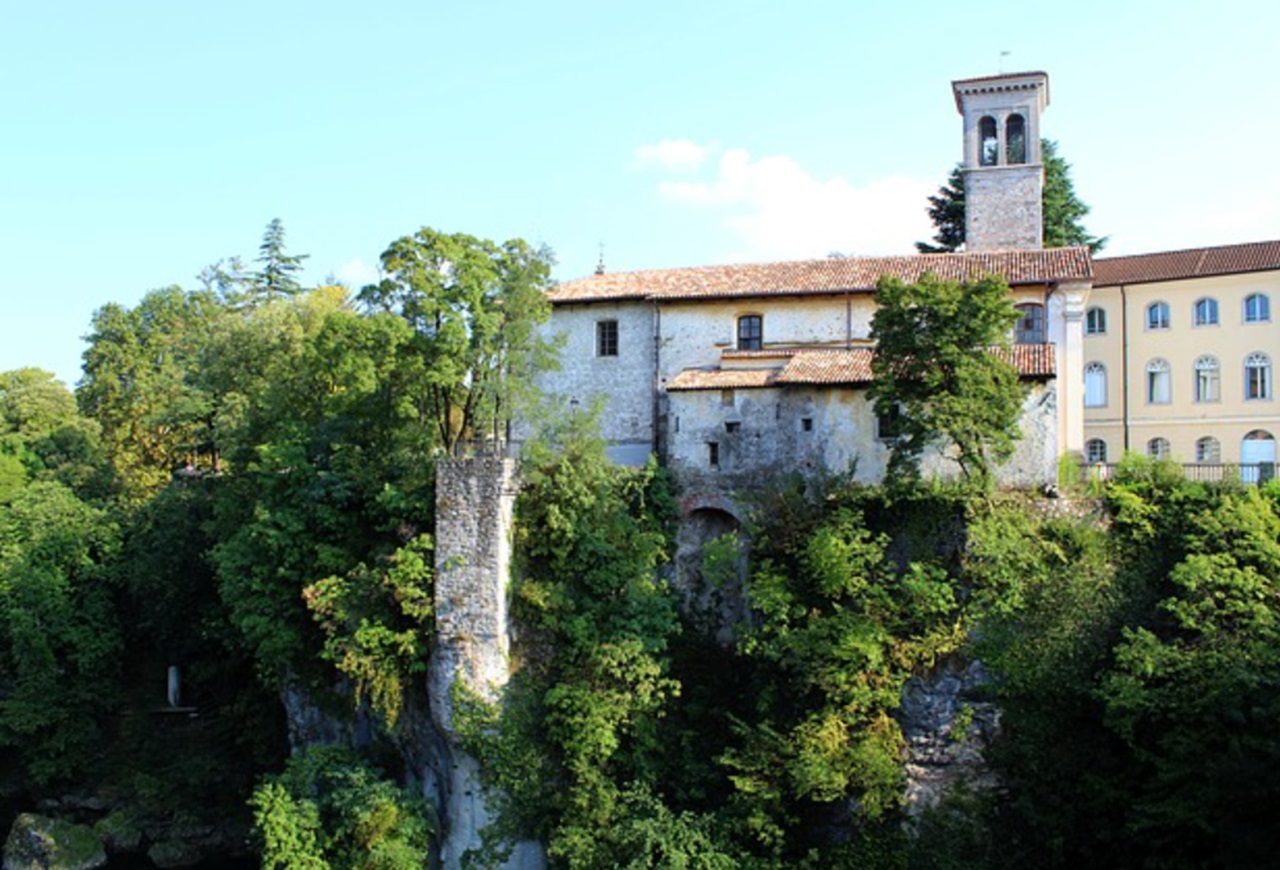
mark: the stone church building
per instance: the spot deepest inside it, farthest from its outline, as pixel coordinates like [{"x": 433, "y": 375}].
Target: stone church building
[{"x": 731, "y": 372}]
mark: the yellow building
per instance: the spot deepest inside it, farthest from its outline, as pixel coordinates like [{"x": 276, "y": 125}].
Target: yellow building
[{"x": 1180, "y": 350}]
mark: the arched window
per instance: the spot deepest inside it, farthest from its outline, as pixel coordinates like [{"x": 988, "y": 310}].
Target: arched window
[
  {"x": 1095, "y": 450},
  {"x": 989, "y": 148},
  {"x": 1095, "y": 321},
  {"x": 1158, "y": 315},
  {"x": 1030, "y": 326},
  {"x": 750, "y": 332},
  {"x": 1257, "y": 376},
  {"x": 1208, "y": 449},
  {"x": 1206, "y": 312},
  {"x": 1159, "y": 383},
  {"x": 1208, "y": 379},
  {"x": 1015, "y": 135},
  {"x": 1257, "y": 308},
  {"x": 1158, "y": 448},
  {"x": 1095, "y": 385}
]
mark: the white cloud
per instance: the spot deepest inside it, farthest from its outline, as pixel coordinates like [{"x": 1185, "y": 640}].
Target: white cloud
[
  {"x": 356, "y": 273},
  {"x": 672, "y": 154},
  {"x": 780, "y": 211}
]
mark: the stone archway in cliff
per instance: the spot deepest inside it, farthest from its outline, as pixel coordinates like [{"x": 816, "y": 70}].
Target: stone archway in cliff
[{"x": 710, "y": 571}]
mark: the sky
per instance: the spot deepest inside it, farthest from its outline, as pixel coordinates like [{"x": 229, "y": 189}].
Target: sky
[{"x": 141, "y": 141}]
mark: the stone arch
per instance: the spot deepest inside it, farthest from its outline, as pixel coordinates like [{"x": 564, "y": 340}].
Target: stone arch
[{"x": 709, "y": 569}]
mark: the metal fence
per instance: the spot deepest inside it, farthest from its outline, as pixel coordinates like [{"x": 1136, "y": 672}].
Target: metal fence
[{"x": 1252, "y": 473}]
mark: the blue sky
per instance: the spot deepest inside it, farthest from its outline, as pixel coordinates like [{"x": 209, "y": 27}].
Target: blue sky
[{"x": 144, "y": 140}]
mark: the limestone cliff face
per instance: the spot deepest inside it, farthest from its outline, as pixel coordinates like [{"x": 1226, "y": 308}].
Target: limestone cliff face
[{"x": 947, "y": 724}]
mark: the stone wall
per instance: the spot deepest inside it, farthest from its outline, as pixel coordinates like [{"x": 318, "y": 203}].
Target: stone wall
[
  {"x": 1003, "y": 207},
  {"x": 474, "y": 503},
  {"x": 821, "y": 430}
]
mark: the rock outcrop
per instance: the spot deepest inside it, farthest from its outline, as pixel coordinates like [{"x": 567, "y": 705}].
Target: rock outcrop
[{"x": 42, "y": 843}]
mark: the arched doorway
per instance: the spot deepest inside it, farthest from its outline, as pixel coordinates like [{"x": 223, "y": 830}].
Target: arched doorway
[
  {"x": 1257, "y": 457},
  {"x": 710, "y": 572}
]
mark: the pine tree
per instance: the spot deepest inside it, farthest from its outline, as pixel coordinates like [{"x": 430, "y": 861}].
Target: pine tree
[{"x": 278, "y": 268}]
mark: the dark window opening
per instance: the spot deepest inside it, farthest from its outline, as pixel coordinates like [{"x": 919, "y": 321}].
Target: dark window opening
[
  {"x": 1030, "y": 326},
  {"x": 606, "y": 338},
  {"x": 889, "y": 423},
  {"x": 732, "y": 427},
  {"x": 806, "y": 424},
  {"x": 989, "y": 149},
  {"x": 713, "y": 453},
  {"x": 750, "y": 332},
  {"x": 1015, "y": 136}
]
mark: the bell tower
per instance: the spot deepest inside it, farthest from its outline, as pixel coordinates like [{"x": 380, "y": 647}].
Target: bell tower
[{"x": 1003, "y": 175}]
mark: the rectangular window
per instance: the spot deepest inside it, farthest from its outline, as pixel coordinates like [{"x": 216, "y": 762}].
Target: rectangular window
[
  {"x": 606, "y": 338},
  {"x": 806, "y": 424},
  {"x": 713, "y": 454},
  {"x": 732, "y": 427},
  {"x": 750, "y": 332},
  {"x": 887, "y": 424}
]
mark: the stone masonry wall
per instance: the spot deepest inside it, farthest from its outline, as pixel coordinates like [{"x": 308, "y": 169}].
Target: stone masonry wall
[{"x": 474, "y": 503}]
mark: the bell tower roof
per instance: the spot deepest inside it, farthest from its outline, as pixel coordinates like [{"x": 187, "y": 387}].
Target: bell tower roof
[{"x": 1003, "y": 86}]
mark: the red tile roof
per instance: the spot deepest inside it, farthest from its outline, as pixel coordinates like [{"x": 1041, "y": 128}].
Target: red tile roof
[
  {"x": 830, "y": 276},
  {"x": 1192, "y": 263},
  {"x": 838, "y": 367}
]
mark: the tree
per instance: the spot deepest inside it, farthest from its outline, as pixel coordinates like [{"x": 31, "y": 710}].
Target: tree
[
  {"x": 1062, "y": 209},
  {"x": 935, "y": 363},
  {"x": 276, "y": 278},
  {"x": 475, "y": 307}
]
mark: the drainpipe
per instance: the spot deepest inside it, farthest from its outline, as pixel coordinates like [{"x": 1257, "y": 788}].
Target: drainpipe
[
  {"x": 848, "y": 320},
  {"x": 658, "y": 437},
  {"x": 1124, "y": 364}
]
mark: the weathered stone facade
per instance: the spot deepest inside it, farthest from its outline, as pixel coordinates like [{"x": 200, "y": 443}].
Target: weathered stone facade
[{"x": 474, "y": 503}]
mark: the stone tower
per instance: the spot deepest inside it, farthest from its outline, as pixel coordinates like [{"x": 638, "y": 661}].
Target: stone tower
[{"x": 1003, "y": 175}]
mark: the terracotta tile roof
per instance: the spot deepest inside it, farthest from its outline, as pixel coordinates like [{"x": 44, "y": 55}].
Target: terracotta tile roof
[
  {"x": 832, "y": 367},
  {"x": 851, "y": 366},
  {"x": 1192, "y": 263},
  {"x": 723, "y": 379},
  {"x": 816, "y": 277}
]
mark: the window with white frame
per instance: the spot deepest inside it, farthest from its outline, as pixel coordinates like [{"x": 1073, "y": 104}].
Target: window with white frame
[
  {"x": 1257, "y": 376},
  {"x": 1095, "y": 321},
  {"x": 606, "y": 338},
  {"x": 1159, "y": 383},
  {"x": 1095, "y": 385},
  {"x": 1158, "y": 315},
  {"x": 1158, "y": 448},
  {"x": 1257, "y": 308},
  {"x": 1208, "y": 379},
  {"x": 1095, "y": 450},
  {"x": 1205, "y": 312},
  {"x": 1208, "y": 449}
]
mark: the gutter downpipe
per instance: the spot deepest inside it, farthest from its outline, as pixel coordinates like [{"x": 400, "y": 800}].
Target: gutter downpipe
[
  {"x": 1124, "y": 364},
  {"x": 658, "y": 437}
]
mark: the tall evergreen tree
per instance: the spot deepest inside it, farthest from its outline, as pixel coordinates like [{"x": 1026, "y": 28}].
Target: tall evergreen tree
[
  {"x": 277, "y": 276},
  {"x": 1062, "y": 209}
]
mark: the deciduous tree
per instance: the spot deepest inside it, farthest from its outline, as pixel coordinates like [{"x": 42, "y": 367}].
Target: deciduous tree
[{"x": 934, "y": 363}]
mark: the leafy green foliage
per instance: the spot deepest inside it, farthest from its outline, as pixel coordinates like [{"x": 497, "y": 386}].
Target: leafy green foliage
[
  {"x": 934, "y": 362},
  {"x": 1062, "y": 209},
  {"x": 60, "y": 641},
  {"x": 329, "y": 809},
  {"x": 475, "y": 307},
  {"x": 378, "y": 624}
]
